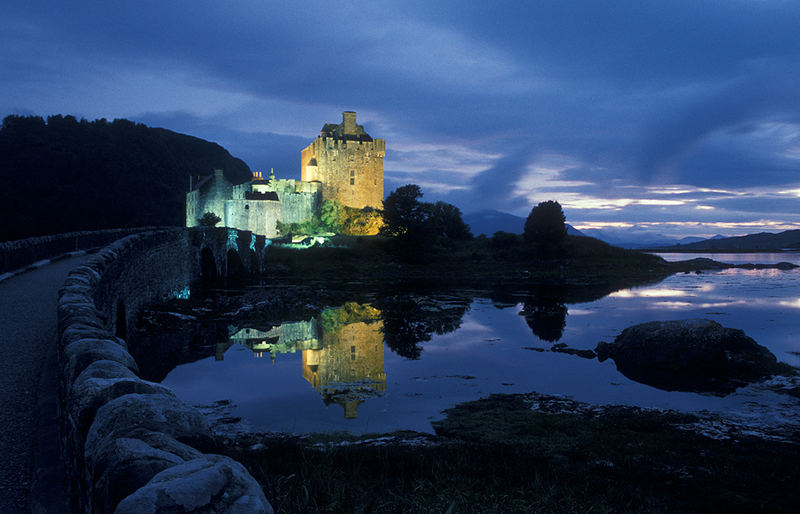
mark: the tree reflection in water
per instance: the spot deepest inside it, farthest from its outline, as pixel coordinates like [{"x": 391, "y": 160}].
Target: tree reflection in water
[
  {"x": 411, "y": 319},
  {"x": 547, "y": 318}
]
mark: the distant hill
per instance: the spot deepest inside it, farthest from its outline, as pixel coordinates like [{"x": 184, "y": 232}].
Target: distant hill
[
  {"x": 64, "y": 174},
  {"x": 790, "y": 239},
  {"x": 632, "y": 237},
  {"x": 637, "y": 237},
  {"x": 490, "y": 221}
]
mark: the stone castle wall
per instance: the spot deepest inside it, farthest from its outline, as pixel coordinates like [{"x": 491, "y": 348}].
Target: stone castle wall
[
  {"x": 351, "y": 172},
  {"x": 213, "y": 200},
  {"x": 298, "y": 207},
  {"x": 131, "y": 445},
  {"x": 257, "y": 216},
  {"x": 262, "y": 216},
  {"x": 343, "y": 164}
]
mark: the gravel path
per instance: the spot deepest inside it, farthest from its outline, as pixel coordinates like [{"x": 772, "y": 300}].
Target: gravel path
[{"x": 28, "y": 448}]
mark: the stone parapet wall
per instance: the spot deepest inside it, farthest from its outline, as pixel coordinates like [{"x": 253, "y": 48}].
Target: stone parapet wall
[
  {"x": 131, "y": 445},
  {"x": 18, "y": 254}
]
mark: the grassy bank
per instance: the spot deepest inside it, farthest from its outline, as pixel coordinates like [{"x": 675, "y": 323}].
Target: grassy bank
[
  {"x": 500, "y": 455},
  {"x": 583, "y": 266}
]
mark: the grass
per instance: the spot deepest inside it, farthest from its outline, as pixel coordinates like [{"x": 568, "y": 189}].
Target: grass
[
  {"x": 498, "y": 455},
  {"x": 586, "y": 266}
]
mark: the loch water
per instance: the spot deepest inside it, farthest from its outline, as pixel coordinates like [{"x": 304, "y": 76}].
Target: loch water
[{"x": 344, "y": 370}]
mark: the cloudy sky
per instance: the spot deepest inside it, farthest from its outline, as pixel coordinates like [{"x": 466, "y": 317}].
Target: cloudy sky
[{"x": 681, "y": 117}]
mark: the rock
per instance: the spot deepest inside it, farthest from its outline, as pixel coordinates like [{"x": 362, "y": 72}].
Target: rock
[
  {"x": 563, "y": 348},
  {"x": 155, "y": 412},
  {"x": 125, "y": 464},
  {"x": 697, "y": 355},
  {"x": 80, "y": 354},
  {"x": 212, "y": 483},
  {"x": 79, "y": 330},
  {"x": 101, "y": 382}
]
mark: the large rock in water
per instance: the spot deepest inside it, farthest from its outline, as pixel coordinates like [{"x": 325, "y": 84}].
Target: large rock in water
[{"x": 697, "y": 355}]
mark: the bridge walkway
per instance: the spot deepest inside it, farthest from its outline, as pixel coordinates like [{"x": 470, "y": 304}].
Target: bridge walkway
[{"x": 31, "y": 476}]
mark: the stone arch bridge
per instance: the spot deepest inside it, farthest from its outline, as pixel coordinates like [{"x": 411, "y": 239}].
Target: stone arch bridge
[
  {"x": 225, "y": 253},
  {"x": 111, "y": 423}
]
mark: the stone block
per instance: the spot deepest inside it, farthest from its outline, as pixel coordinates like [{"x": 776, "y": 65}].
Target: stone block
[
  {"x": 212, "y": 483},
  {"x": 79, "y": 329},
  {"x": 80, "y": 354},
  {"x": 125, "y": 464},
  {"x": 101, "y": 382},
  {"x": 155, "y": 412}
]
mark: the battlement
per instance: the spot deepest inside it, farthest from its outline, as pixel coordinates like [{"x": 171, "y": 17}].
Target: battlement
[
  {"x": 347, "y": 162},
  {"x": 343, "y": 163},
  {"x": 376, "y": 146},
  {"x": 285, "y": 186}
]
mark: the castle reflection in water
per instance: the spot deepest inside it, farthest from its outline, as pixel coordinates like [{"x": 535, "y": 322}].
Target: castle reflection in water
[{"x": 342, "y": 352}]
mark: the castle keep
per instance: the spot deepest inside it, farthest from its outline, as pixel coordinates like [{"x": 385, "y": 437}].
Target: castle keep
[
  {"x": 348, "y": 163},
  {"x": 343, "y": 164}
]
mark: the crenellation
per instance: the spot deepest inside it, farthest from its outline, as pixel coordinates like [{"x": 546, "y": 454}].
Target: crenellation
[{"x": 330, "y": 169}]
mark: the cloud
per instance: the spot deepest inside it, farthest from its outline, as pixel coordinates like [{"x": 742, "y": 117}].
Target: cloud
[{"x": 636, "y": 112}]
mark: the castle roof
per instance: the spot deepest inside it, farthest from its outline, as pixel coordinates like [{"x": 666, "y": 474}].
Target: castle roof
[{"x": 347, "y": 129}]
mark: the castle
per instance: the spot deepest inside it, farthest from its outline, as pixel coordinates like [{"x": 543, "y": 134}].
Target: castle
[{"x": 343, "y": 164}]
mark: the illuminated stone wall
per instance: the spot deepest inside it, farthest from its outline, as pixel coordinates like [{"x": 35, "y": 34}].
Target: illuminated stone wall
[
  {"x": 209, "y": 196},
  {"x": 292, "y": 201},
  {"x": 348, "y": 163},
  {"x": 257, "y": 216}
]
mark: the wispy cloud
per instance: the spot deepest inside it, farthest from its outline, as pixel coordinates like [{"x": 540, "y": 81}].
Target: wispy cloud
[{"x": 684, "y": 118}]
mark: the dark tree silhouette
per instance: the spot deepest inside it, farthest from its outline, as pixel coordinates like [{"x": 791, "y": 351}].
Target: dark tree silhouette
[
  {"x": 417, "y": 227},
  {"x": 209, "y": 219},
  {"x": 402, "y": 211},
  {"x": 65, "y": 174},
  {"x": 546, "y": 224},
  {"x": 448, "y": 223},
  {"x": 545, "y": 229}
]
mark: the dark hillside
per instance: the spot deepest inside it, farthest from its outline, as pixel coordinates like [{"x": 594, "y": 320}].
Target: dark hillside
[
  {"x": 65, "y": 175},
  {"x": 764, "y": 241}
]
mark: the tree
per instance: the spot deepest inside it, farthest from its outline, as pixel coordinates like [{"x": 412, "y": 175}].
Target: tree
[
  {"x": 448, "y": 222},
  {"x": 332, "y": 214},
  {"x": 545, "y": 225},
  {"x": 403, "y": 212},
  {"x": 209, "y": 219}
]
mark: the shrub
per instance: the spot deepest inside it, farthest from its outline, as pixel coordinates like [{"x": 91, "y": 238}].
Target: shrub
[{"x": 209, "y": 219}]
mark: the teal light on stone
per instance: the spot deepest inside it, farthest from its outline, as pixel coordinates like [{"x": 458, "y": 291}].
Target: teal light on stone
[
  {"x": 182, "y": 294},
  {"x": 233, "y": 237}
]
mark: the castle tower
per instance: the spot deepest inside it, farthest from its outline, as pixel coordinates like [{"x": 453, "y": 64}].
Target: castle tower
[{"x": 348, "y": 163}]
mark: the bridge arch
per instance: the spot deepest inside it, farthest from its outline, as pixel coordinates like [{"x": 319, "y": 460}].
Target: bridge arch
[
  {"x": 208, "y": 268},
  {"x": 235, "y": 266}
]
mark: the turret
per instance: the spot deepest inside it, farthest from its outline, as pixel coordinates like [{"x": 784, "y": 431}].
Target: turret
[{"x": 349, "y": 122}]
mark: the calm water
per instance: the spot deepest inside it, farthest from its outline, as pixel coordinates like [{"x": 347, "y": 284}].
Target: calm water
[
  {"x": 336, "y": 373},
  {"x": 737, "y": 258}
]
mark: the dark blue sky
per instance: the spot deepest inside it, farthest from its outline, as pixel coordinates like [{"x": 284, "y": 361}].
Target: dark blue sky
[{"x": 677, "y": 117}]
